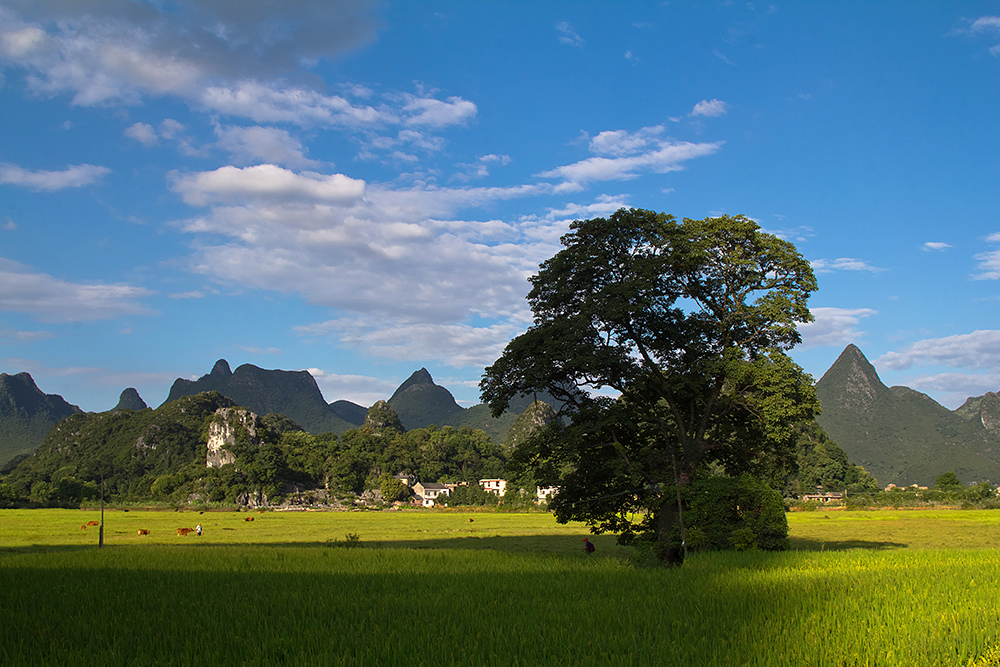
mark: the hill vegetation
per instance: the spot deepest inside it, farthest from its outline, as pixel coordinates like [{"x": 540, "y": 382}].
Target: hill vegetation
[
  {"x": 26, "y": 416},
  {"x": 902, "y": 436}
]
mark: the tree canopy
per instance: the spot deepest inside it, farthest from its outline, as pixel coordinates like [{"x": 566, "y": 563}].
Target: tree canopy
[{"x": 666, "y": 341}]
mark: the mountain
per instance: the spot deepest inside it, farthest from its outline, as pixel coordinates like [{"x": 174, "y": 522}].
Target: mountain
[
  {"x": 419, "y": 402},
  {"x": 122, "y": 445},
  {"x": 26, "y": 415},
  {"x": 130, "y": 400},
  {"x": 902, "y": 436},
  {"x": 293, "y": 394},
  {"x": 352, "y": 413}
]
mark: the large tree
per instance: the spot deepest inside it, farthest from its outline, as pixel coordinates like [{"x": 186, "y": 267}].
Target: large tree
[{"x": 666, "y": 342}]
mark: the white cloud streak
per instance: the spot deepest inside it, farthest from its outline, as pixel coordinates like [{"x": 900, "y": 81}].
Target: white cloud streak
[
  {"x": 51, "y": 299},
  {"x": 834, "y": 326},
  {"x": 74, "y": 176},
  {"x": 979, "y": 350}
]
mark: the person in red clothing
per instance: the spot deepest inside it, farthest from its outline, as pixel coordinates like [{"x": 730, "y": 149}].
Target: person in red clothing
[{"x": 588, "y": 546}]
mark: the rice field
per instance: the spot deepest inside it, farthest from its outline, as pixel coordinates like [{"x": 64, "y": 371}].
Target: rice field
[{"x": 432, "y": 588}]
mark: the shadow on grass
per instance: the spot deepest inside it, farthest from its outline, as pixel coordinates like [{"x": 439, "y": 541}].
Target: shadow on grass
[
  {"x": 808, "y": 544},
  {"x": 522, "y": 544}
]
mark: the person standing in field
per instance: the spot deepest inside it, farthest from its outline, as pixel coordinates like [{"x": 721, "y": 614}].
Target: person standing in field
[{"x": 198, "y": 529}]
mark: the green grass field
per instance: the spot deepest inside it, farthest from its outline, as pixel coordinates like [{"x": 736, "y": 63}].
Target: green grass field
[{"x": 432, "y": 588}]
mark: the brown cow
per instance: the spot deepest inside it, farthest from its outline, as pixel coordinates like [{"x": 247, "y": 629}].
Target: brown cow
[
  {"x": 143, "y": 532},
  {"x": 249, "y": 518},
  {"x": 184, "y": 531},
  {"x": 83, "y": 527},
  {"x": 93, "y": 523}
]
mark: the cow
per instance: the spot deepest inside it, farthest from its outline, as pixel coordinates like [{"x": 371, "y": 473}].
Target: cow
[
  {"x": 83, "y": 527},
  {"x": 470, "y": 520},
  {"x": 249, "y": 518},
  {"x": 142, "y": 532},
  {"x": 184, "y": 531},
  {"x": 93, "y": 523}
]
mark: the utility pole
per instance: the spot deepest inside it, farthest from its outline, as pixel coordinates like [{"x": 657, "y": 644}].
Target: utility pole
[{"x": 100, "y": 539}]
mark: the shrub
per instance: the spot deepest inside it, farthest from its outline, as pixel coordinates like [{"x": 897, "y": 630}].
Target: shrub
[{"x": 739, "y": 513}]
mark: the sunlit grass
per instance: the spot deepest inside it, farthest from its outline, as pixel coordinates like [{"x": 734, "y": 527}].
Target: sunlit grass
[{"x": 300, "y": 600}]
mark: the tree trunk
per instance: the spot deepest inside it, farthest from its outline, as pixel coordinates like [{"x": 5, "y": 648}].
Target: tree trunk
[{"x": 669, "y": 546}]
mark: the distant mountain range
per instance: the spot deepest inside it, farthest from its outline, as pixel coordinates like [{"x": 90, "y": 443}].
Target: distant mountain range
[
  {"x": 899, "y": 435},
  {"x": 902, "y": 436},
  {"x": 26, "y": 415}
]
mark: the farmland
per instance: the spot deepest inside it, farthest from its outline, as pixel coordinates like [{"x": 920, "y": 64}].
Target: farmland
[{"x": 433, "y": 588}]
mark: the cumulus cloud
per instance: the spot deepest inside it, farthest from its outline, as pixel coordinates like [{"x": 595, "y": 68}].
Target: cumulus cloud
[
  {"x": 254, "y": 145},
  {"x": 437, "y": 113},
  {"x": 399, "y": 253},
  {"x": 842, "y": 264},
  {"x": 268, "y": 181},
  {"x": 143, "y": 133},
  {"x": 111, "y": 51},
  {"x": 51, "y": 299},
  {"x": 74, "y": 176},
  {"x": 979, "y": 350},
  {"x": 709, "y": 108},
  {"x": 834, "y": 326}
]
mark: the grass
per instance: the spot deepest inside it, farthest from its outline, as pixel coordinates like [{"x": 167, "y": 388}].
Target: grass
[{"x": 872, "y": 588}]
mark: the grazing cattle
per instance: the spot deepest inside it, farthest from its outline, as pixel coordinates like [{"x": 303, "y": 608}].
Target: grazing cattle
[
  {"x": 83, "y": 527},
  {"x": 93, "y": 523},
  {"x": 249, "y": 518},
  {"x": 143, "y": 532},
  {"x": 470, "y": 520},
  {"x": 184, "y": 531}
]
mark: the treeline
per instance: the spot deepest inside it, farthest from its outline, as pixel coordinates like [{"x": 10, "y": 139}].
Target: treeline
[
  {"x": 278, "y": 464},
  {"x": 160, "y": 456}
]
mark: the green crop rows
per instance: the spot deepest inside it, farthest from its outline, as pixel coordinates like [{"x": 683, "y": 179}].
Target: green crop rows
[{"x": 436, "y": 589}]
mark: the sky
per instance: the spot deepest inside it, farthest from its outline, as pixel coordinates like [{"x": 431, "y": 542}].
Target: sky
[{"x": 362, "y": 189}]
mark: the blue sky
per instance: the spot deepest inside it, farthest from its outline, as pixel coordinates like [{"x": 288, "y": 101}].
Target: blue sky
[{"x": 362, "y": 189}]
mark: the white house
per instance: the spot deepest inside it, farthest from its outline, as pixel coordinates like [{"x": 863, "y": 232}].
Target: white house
[
  {"x": 497, "y": 486},
  {"x": 544, "y": 494},
  {"x": 428, "y": 493}
]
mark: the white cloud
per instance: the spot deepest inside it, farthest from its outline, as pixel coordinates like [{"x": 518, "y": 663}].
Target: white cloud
[
  {"x": 403, "y": 272},
  {"x": 8, "y": 336},
  {"x": 986, "y": 24},
  {"x": 457, "y": 345},
  {"x": 253, "y": 145},
  {"x": 935, "y": 246},
  {"x": 360, "y": 389},
  {"x": 976, "y": 350},
  {"x": 709, "y": 108},
  {"x": 435, "y": 113},
  {"x": 103, "y": 52},
  {"x": 232, "y": 184},
  {"x": 639, "y": 154},
  {"x": 143, "y": 133},
  {"x": 51, "y": 299},
  {"x": 618, "y": 143},
  {"x": 834, "y": 326},
  {"x": 842, "y": 264},
  {"x": 567, "y": 35},
  {"x": 74, "y": 176}
]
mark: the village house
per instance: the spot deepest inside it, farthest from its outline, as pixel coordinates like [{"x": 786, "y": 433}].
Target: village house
[
  {"x": 828, "y": 497},
  {"x": 544, "y": 494},
  {"x": 497, "y": 486},
  {"x": 428, "y": 493}
]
